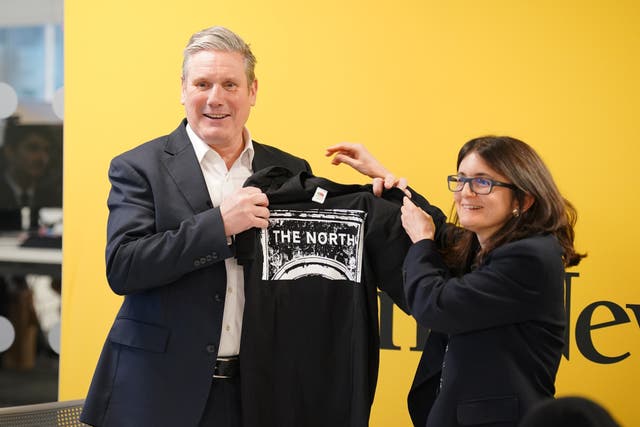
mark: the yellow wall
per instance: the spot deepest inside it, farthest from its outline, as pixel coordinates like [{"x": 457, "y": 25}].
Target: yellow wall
[{"x": 413, "y": 79}]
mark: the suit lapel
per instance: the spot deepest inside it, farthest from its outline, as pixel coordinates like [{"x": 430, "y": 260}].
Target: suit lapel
[
  {"x": 7, "y": 198},
  {"x": 261, "y": 157},
  {"x": 182, "y": 164}
]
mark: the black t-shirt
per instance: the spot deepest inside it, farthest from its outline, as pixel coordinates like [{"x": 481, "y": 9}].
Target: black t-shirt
[{"x": 310, "y": 345}]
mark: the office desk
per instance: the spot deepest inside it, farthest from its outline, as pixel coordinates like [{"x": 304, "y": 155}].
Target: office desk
[{"x": 17, "y": 260}]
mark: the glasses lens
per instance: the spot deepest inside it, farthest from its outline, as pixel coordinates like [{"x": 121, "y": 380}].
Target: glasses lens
[
  {"x": 481, "y": 185},
  {"x": 455, "y": 183}
]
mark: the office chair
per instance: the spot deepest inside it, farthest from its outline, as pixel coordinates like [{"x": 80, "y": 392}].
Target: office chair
[{"x": 52, "y": 414}]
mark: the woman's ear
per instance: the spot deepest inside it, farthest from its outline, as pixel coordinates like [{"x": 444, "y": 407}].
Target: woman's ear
[{"x": 527, "y": 202}]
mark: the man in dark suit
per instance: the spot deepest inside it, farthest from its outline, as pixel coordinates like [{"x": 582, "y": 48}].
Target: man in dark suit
[
  {"x": 29, "y": 179},
  {"x": 27, "y": 176},
  {"x": 171, "y": 356}
]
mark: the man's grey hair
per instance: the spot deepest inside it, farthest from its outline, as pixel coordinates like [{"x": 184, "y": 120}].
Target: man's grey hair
[{"x": 221, "y": 39}]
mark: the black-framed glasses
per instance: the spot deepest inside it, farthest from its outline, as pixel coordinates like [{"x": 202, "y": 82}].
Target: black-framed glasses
[{"x": 478, "y": 184}]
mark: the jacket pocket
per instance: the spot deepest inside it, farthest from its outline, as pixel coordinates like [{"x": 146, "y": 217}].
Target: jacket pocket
[
  {"x": 490, "y": 410},
  {"x": 144, "y": 336}
]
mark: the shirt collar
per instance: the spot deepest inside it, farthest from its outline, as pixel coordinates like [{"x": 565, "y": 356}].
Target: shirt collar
[{"x": 201, "y": 148}]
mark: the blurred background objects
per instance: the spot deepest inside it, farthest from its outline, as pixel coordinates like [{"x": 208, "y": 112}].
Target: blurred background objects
[{"x": 31, "y": 144}]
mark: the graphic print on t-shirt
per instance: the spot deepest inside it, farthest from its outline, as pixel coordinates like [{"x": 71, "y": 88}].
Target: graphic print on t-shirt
[{"x": 325, "y": 243}]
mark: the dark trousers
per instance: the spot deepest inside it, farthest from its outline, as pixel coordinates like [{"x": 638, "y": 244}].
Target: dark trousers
[{"x": 223, "y": 406}]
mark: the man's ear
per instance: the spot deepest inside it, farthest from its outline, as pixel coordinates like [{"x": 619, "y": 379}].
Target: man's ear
[
  {"x": 8, "y": 152},
  {"x": 182, "y": 89},
  {"x": 253, "y": 92}
]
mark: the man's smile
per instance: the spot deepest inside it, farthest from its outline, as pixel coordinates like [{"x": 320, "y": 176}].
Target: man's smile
[{"x": 216, "y": 116}]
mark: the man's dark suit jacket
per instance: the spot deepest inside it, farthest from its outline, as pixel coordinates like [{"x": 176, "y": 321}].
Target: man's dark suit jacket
[
  {"x": 165, "y": 248},
  {"x": 497, "y": 333}
]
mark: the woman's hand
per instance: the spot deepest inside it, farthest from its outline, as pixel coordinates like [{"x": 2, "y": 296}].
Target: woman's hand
[
  {"x": 359, "y": 158},
  {"x": 417, "y": 223},
  {"x": 389, "y": 181}
]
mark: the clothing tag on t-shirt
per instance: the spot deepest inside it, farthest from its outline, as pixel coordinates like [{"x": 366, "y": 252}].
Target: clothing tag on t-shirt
[{"x": 319, "y": 195}]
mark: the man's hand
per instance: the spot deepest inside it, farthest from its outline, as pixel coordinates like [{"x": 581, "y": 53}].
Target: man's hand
[{"x": 245, "y": 209}]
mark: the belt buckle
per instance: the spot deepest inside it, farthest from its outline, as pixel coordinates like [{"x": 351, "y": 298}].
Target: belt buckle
[{"x": 224, "y": 360}]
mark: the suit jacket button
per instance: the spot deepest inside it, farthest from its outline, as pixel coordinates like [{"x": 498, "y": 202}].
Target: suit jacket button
[
  {"x": 203, "y": 260},
  {"x": 211, "y": 348},
  {"x": 214, "y": 255},
  {"x": 196, "y": 263},
  {"x": 218, "y": 298},
  {"x": 209, "y": 258}
]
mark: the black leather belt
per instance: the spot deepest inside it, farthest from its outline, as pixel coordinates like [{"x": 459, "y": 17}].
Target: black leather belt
[{"x": 227, "y": 367}]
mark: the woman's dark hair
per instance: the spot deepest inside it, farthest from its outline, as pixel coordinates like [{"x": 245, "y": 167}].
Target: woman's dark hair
[
  {"x": 568, "y": 411},
  {"x": 550, "y": 213}
]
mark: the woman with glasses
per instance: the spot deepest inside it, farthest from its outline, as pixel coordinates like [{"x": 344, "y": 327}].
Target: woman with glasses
[{"x": 489, "y": 285}]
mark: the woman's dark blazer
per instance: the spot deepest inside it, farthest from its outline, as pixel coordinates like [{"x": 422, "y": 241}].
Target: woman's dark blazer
[{"x": 497, "y": 333}]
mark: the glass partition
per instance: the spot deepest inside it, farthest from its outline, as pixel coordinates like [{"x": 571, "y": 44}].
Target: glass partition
[{"x": 31, "y": 124}]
